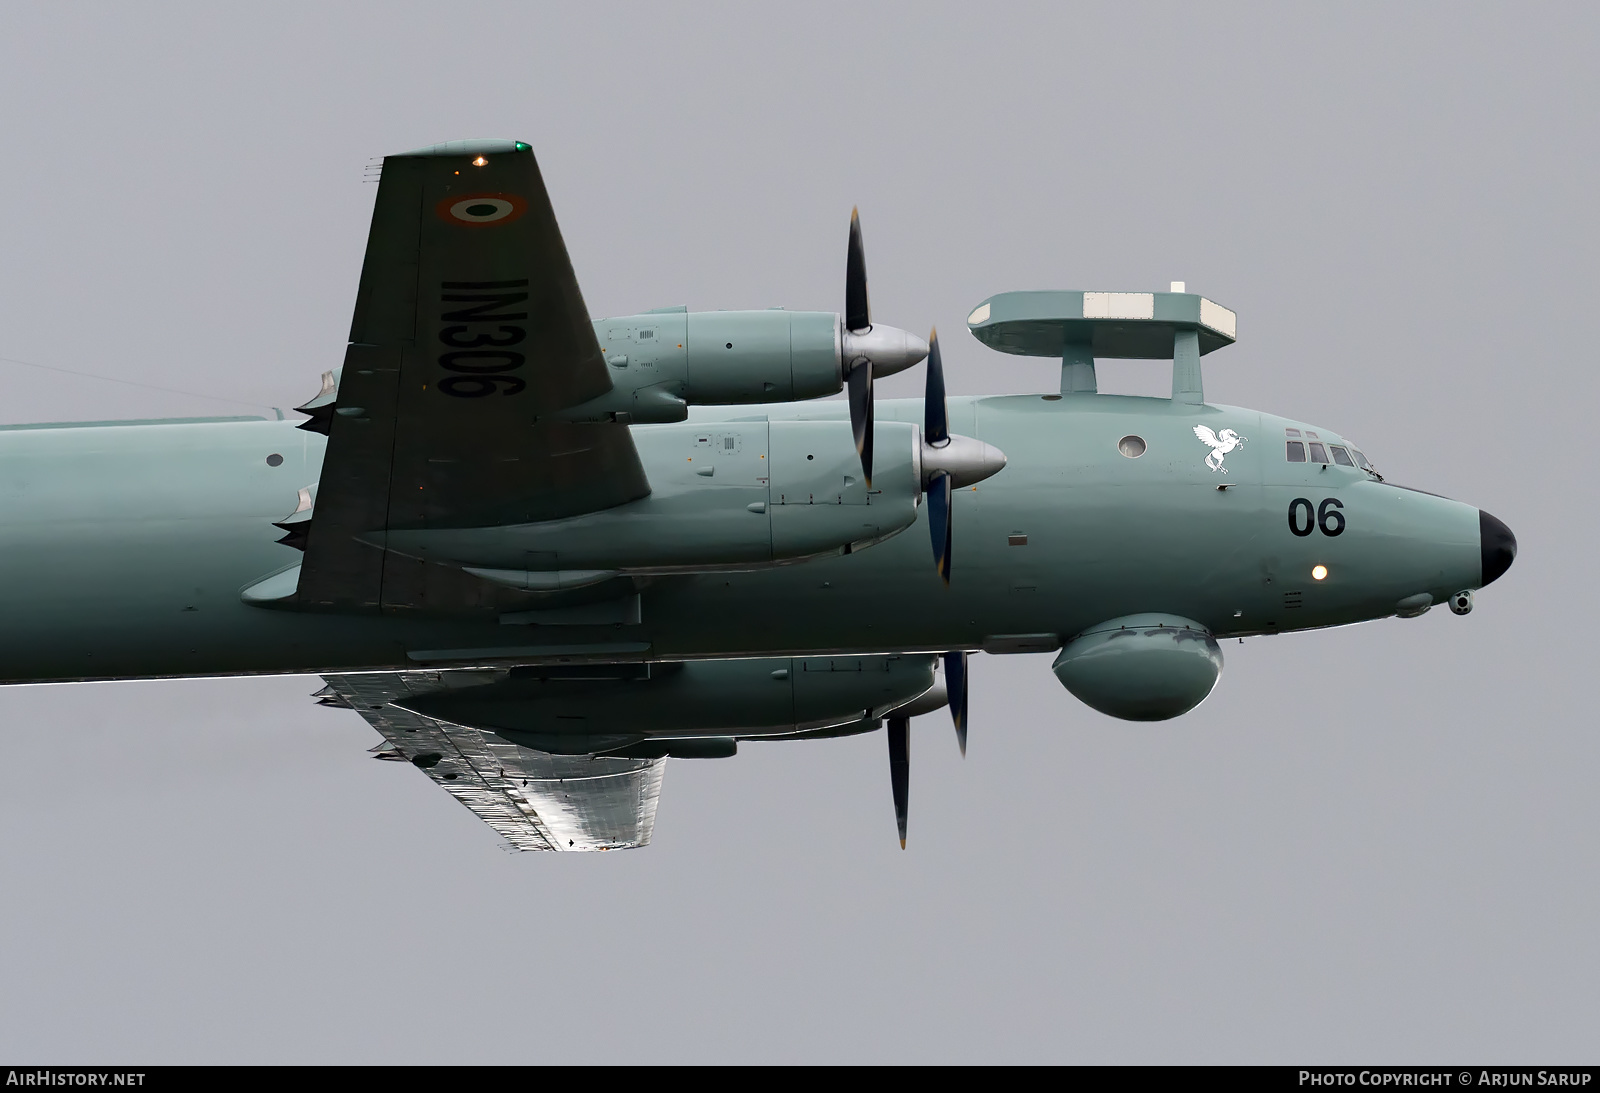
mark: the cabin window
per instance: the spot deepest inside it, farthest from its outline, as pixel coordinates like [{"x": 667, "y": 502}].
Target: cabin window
[
  {"x": 1131, "y": 446},
  {"x": 1291, "y": 432},
  {"x": 1318, "y": 453},
  {"x": 1341, "y": 457},
  {"x": 1297, "y": 452}
]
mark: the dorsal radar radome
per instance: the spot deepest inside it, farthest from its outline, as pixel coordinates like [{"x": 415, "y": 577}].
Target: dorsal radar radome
[{"x": 1077, "y": 327}]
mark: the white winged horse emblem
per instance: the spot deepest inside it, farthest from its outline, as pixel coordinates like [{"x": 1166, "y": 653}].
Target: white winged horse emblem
[{"x": 1220, "y": 445}]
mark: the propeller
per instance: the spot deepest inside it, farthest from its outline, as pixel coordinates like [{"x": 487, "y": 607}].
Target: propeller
[
  {"x": 867, "y": 349},
  {"x": 950, "y": 690},
  {"x": 858, "y": 320},
  {"x": 948, "y": 460},
  {"x": 857, "y": 311},
  {"x": 940, "y": 490},
  {"x": 899, "y": 727},
  {"x": 936, "y": 436},
  {"x": 955, "y": 682}
]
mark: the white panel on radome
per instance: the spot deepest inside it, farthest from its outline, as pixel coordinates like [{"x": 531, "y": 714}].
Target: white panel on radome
[
  {"x": 980, "y": 314},
  {"x": 1217, "y": 317},
  {"x": 1119, "y": 305}
]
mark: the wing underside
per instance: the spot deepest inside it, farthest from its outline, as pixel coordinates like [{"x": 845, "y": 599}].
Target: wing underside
[{"x": 534, "y": 800}]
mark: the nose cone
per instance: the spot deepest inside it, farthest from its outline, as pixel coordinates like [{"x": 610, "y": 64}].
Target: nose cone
[{"x": 1498, "y": 544}]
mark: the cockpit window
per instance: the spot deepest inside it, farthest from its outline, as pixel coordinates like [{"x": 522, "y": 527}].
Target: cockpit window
[
  {"x": 1305, "y": 446},
  {"x": 1364, "y": 463}
]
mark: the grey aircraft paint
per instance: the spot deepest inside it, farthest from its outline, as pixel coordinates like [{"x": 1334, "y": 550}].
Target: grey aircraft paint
[{"x": 136, "y": 541}]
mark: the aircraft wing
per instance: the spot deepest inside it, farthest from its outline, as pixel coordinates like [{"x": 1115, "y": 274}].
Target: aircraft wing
[
  {"x": 469, "y": 331},
  {"x": 534, "y": 800}
]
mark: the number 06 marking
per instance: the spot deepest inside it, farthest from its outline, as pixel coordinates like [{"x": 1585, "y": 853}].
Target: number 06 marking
[{"x": 1327, "y": 516}]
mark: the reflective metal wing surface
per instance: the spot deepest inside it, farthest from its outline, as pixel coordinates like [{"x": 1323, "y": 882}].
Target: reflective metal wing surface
[
  {"x": 469, "y": 333},
  {"x": 534, "y": 800}
]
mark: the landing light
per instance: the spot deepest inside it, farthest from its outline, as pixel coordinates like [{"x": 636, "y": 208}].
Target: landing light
[
  {"x": 1319, "y": 572},
  {"x": 480, "y": 162}
]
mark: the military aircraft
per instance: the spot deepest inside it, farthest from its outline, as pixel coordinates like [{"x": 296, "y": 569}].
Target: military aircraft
[{"x": 540, "y": 554}]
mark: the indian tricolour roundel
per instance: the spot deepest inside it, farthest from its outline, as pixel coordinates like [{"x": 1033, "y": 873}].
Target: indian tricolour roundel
[{"x": 481, "y": 209}]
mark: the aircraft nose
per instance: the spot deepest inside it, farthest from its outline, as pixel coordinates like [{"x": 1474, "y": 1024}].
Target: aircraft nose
[{"x": 1498, "y": 544}]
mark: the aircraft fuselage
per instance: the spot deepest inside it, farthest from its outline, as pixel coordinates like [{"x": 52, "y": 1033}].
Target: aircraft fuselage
[{"x": 126, "y": 548}]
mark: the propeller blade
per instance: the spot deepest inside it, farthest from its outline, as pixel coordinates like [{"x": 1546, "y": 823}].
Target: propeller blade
[
  {"x": 936, "y": 434},
  {"x": 935, "y": 415},
  {"x": 900, "y": 769},
  {"x": 857, "y": 313},
  {"x": 860, "y": 383},
  {"x": 955, "y": 682},
  {"x": 939, "y": 495}
]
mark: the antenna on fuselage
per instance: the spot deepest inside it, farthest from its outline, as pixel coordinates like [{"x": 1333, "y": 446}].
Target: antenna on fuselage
[{"x": 1077, "y": 327}]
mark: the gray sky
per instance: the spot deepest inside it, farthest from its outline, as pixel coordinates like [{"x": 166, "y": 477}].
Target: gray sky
[{"x": 1371, "y": 844}]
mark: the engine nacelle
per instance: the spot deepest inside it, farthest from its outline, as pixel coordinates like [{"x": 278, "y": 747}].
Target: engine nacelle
[
  {"x": 733, "y": 495},
  {"x": 1141, "y": 667},
  {"x": 577, "y": 711},
  {"x": 663, "y": 362}
]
